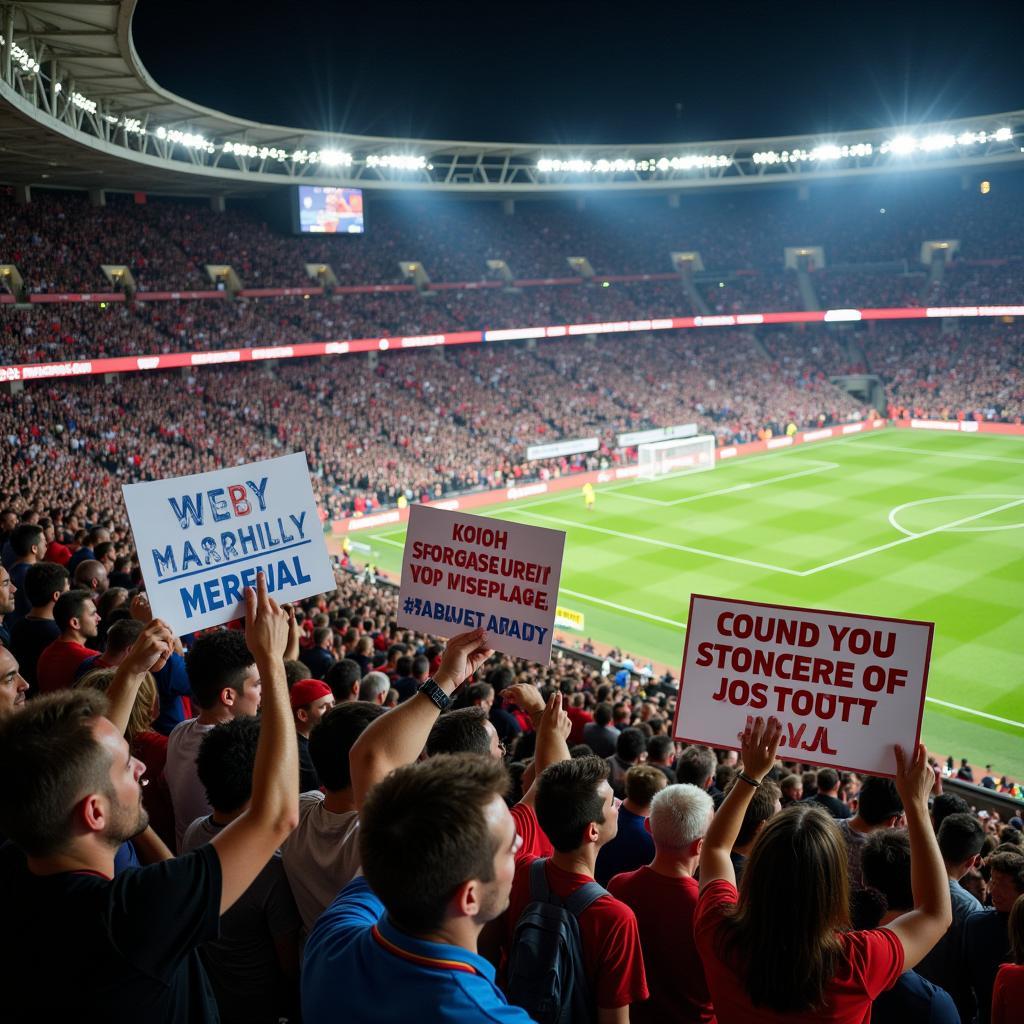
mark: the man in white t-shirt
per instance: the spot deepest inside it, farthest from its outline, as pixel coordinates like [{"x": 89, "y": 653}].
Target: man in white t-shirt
[
  {"x": 321, "y": 856},
  {"x": 225, "y": 684}
]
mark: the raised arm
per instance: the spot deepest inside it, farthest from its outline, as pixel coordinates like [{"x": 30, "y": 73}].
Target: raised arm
[
  {"x": 245, "y": 846},
  {"x": 759, "y": 743},
  {"x": 919, "y": 929},
  {"x": 553, "y": 728},
  {"x": 398, "y": 737},
  {"x": 149, "y": 653}
]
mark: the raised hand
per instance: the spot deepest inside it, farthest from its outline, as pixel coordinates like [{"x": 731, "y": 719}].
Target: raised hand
[
  {"x": 140, "y": 609},
  {"x": 151, "y": 650},
  {"x": 464, "y": 654},
  {"x": 555, "y": 719},
  {"x": 526, "y": 696},
  {"x": 914, "y": 780},
  {"x": 759, "y": 743},
  {"x": 266, "y": 624}
]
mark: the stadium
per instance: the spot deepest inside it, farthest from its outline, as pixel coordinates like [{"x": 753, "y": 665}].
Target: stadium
[{"x": 778, "y": 369}]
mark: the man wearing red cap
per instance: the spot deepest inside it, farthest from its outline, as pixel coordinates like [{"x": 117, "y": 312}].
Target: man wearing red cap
[{"x": 311, "y": 700}]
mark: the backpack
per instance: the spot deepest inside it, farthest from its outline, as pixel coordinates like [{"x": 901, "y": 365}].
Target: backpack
[{"x": 545, "y": 967}]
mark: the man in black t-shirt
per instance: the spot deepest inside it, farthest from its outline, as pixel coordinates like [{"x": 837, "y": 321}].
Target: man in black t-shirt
[
  {"x": 125, "y": 948},
  {"x": 44, "y": 583},
  {"x": 827, "y": 795}
]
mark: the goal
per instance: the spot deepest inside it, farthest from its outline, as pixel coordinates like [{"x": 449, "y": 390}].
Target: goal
[{"x": 684, "y": 455}]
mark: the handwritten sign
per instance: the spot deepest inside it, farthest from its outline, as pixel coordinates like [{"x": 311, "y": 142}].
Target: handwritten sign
[
  {"x": 845, "y": 687},
  {"x": 463, "y": 572},
  {"x": 202, "y": 539}
]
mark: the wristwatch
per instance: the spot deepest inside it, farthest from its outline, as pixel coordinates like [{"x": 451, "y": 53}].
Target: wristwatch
[{"x": 436, "y": 694}]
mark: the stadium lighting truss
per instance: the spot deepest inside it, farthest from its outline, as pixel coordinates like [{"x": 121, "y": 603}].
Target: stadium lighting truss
[{"x": 55, "y": 63}]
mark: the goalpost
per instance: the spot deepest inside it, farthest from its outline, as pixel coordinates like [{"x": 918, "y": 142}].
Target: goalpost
[{"x": 683, "y": 455}]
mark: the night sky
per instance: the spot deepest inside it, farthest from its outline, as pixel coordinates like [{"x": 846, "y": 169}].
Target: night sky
[{"x": 596, "y": 72}]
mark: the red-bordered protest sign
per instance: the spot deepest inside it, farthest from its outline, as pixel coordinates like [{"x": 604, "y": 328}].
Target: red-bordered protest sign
[{"x": 846, "y": 687}]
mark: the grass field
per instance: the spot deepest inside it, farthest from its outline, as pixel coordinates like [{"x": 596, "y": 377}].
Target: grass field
[{"x": 922, "y": 525}]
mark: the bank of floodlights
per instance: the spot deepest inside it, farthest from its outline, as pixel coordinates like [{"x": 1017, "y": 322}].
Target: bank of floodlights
[{"x": 647, "y": 165}]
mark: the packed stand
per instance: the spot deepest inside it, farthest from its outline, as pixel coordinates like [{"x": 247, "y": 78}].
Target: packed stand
[{"x": 221, "y": 829}]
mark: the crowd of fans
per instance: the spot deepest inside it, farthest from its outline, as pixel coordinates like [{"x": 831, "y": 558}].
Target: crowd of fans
[
  {"x": 59, "y": 242},
  {"x": 314, "y": 811}
]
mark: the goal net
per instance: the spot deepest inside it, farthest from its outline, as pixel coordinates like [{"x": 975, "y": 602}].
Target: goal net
[{"x": 684, "y": 455}]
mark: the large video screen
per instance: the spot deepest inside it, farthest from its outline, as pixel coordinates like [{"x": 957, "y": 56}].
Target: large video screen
[{"x": 330, "y": 211}]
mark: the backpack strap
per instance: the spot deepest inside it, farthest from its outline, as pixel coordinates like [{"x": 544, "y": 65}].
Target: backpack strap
[
  {"x": 540, "y": 891},
  {"x": 584, "y": 896}
]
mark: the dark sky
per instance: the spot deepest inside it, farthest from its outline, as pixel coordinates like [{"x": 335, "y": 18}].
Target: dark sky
[{"x": 564, "y": 71}]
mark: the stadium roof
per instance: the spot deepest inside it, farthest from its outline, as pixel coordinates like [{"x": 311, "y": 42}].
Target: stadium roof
[{"x": 79, "y": 109}]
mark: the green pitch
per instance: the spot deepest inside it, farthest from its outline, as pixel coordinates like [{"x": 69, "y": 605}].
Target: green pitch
[{"x": 916, "y": 524}]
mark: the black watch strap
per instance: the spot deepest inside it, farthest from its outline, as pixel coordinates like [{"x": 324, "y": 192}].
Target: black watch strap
[{"x": 436, "y": 694}]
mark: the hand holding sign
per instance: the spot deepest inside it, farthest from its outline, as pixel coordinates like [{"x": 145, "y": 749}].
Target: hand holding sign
[
  {"x": 266, "y": 625},
  {"x": 914, "y": 781},
  {"x": 464, "y": 654},
  {"x": 759, "y": 745}
]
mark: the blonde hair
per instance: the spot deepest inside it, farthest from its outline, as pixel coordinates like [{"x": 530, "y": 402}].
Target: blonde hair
[{"x": 141, "y": 718}]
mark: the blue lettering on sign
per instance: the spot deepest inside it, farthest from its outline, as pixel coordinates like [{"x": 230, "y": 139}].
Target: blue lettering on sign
[{"x": 225, "y": 591}]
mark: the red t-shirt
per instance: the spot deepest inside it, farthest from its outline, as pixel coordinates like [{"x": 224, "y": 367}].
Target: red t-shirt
[
  {"x": 535, "y": 842},
  {"x": 1008, "y": 994},
  {"x": 612, "y": 959},
  {"x": 55, "y": 669},
  {"x": 871, "y": 962},
  {"x": 579, "y": 719},
  {"x": 664, "y": 909}
]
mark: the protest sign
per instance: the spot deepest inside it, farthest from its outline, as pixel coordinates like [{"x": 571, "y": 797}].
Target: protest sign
[
  {"x": 463, "y": 572},
  {"x": 202, "y": 539},
  {"x": 845, "y": 687}
]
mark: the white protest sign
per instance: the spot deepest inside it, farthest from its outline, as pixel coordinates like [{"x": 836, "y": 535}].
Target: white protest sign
[
  {"x": 463, "y": 572},
  {"x": 845, "y": 687},
  {"x": 201, "y": 540}
]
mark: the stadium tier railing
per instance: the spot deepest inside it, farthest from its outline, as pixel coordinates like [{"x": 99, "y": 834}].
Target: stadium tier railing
[{"x": 172, "y": 360}]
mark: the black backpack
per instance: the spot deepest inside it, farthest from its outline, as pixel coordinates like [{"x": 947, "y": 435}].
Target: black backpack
[{"x": 545, "y": 967}]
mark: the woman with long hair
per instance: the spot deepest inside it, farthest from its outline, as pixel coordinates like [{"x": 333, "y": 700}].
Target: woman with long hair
[{"x": 782, "y": 948}]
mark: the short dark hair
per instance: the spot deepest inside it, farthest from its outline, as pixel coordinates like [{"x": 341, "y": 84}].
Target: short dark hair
[
  {"x": 759, "y": 810},
  {"x": 70, "y": 605},
  {"x": 403, "y": 666},
  {"x": 827, "y": 778},
  {"x": 603, "y": 713},
  {"x": 24, "y": 536},
  {"x": 1006, "y": 862},
  {"x": 217, "y": 660},
  {"x": 435, "y": 807},
  {"x": 960, "y": 837},
  {"x": 695, "y": 765},
  {"x": 946, "y": 804},
  {"x": 568, "y": 801},
  {"x": 42, "y": 581},
  {"x": 420, "y": 666},
  {"x": 885, "y": 863},
  {"x": 630, "y": 744},
  {"x": 643, "y": 783},
  {"x": 659, "y": 747},
  {"x": 343, "y": 677},
  {"x": 500, "y": 677},
  {"x": 51, "y": 759},
  {"x": 479, "y": 691},
  {"x": 460, "y": 732},
  {"x": 322, "y": 633},
  {"x": 225, "y": 762},
  {"x": 878, "y": 800},
  {"x": 122, "y": 634},
  {"x": 294, "y": 670},
  {"x": 333, "y": 738}
]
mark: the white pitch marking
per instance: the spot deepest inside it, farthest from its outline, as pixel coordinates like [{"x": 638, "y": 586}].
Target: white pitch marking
[
  {"x": 971, "y": 711},
  {"x": 822, "y": 467},
  {"x": 952, "y": 497},
  {"x": 623, "y": 608},
  {"x": 941, "y": 455},
  {"x": 661, "y": 543},
  {"x": 906, "y": 540}
]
